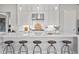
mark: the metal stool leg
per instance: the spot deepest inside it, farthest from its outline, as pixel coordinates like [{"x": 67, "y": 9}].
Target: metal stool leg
[
  {"x": 55, "y": 51},
  {"x": 48, "y": 49},
  {"x": 21, "y": 49},
  {"x": 26, "y": 49},
  {"x": 34, "y": 49},
  {"x": 69, "y": 51},
  {"x": 4, "y": 50},
  {"x": 38, "y": 47},
  {"x": 13, "y": 49},
  {"x": 66, "y": 49},
  {"x": 63, "y": 49}
]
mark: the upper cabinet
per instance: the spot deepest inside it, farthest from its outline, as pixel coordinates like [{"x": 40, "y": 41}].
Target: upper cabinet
[
  {"x": 68, "y": 18},
  {"x": 51, "y": 13}
]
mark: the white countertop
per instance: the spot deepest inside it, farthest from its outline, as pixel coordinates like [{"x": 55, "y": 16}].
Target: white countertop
[{"x": 32, "y": 35}]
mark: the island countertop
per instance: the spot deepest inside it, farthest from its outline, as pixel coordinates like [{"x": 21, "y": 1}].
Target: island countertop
[{"x": 34, "y": 35}]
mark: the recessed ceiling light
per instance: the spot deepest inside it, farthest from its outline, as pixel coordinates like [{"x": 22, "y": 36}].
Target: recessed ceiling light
[
  {"x": 56, "y": 7},
  {"x": 20, "y": 7},
  {"x": 38, "y": 7}
]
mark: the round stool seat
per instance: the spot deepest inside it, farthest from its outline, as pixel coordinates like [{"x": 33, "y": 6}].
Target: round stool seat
[
  {"x": 51, "y": 42},
  {"x": 9, "y": 47},
  {"x": 66, "y": 41},
  {"x": 37, "y": 42},
  {"x": 22, "y": 42},
  {"x": 8, "y": 42}
]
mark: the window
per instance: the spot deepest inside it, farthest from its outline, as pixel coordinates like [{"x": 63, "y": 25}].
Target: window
[
  {"x": 38, "y": 21},
  {"x": 2, "y": 25}
]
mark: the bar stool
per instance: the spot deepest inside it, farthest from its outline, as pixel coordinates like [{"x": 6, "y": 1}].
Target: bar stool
[
  {"x": 37, "y": 42},
  {"x": 9, "y": 47},
  {"x": 66, "y": 48},
  {"x": 51, "y": 46},
  {"x": 23, "y": 46}
]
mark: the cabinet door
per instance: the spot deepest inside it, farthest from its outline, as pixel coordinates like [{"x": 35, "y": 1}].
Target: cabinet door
[{"x": 70, "y": 21}]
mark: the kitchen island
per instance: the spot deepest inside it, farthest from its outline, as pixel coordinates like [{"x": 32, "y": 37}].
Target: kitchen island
[{"x": 30, "y": 37}]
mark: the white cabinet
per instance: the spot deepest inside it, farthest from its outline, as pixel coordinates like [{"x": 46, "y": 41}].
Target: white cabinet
[{"x": 69, "y": 21}]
